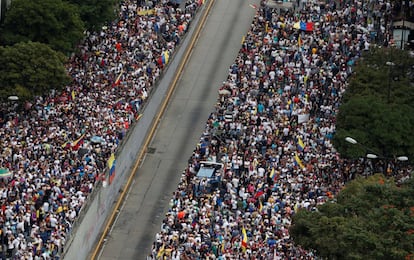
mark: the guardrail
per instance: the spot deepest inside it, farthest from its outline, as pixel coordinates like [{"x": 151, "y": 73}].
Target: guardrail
[{"x": 98, "y": 184}]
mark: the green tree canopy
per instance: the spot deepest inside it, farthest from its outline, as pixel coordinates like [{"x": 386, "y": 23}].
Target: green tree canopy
[
  {"x": 372, "y": 219},
  {"x": 378, "y": 106},
  {"x": 28, "y": 69},
  {"x": 95, "y": 13},
  {"x": 374, "y": 76},
  {"x": 53, "y": 22}
]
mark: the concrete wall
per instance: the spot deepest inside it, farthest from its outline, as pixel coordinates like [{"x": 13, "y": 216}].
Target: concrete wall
[{"x": 101, "y": 203}]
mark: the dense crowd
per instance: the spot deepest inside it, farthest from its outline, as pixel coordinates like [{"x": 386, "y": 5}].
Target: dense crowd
[
  {"x": 57, "y": 146},
  {"x": 271, "y": 135}
]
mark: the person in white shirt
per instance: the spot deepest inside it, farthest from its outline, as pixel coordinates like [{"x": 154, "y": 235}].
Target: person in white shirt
[
  {"x": 53, "y": 221},
  {"x": 10, "y": 245},
  {"x": 175, "y": 255}
]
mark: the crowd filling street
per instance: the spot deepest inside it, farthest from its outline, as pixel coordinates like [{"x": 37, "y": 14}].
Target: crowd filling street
[
  {"x": 271, "y": 131},
  {"x": 57, "y": 146}
]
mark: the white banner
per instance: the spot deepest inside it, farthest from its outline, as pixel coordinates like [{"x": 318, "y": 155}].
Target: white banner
[{"x": 303, "y": 118}]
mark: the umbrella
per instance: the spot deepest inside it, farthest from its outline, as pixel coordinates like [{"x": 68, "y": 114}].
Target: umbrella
[
  {"x": 363, "y": 29},
  {"x": 97, "y": 139},
  {"x": 5, "y": 173},
  {"x": 224, "y": 92},
  {"x": 13, "y": 98}
]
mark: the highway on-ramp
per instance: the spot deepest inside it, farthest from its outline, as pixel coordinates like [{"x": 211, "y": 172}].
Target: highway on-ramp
[{"x": 195, "y": 92}]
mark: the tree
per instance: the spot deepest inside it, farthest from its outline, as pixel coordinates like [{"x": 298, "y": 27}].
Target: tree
[
  {"x": 373, "y": 77},
  {"x": 378, "y": 106},
  {"x": 95, "y": 13},
  {"x": 371, "y": 219},
  {"x": 53, "y": 22},
  {"x": 29, "y": 69},
  {"x": 384, "y": 128}
]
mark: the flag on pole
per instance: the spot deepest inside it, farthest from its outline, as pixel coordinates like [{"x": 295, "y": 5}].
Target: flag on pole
[
  {"x": 161, "y": 251},
  {"x": 291, "y": 105},
  {"x": 299, "y": 41},
  {"x": 259, "y": 193},
  {"x": 77, "y": 143},
  {"x": 65, "y": 145},
  {"x": 111, "y": 167},
  {"x": 301, "y": 145},
  {"x": 272, "y": 173},
  {"x": 244, "y": 239},
  {"x": 298, "y": 162},
  {"x": 253, "y": 6},
  {"x": 118, "y": 79},
  {"x": 167, "y": 57},
  {"x": 260, "y": 206}
]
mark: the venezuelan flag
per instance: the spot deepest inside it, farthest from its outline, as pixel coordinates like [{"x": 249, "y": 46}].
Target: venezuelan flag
[
  {"x": 272, "y": 173},
  {"x": 146, "y": 12},
  {"x": 111, "y": 161},
  {"x": 306, "y": 26},
  {"x": 303, "y": 26},
  {"x": 165, "y": 56},
  {"x": 298, "y": 162},
  {"x": 111, "y": 167},
  {"x": 300, "y": 144},
  {"x": 77, "y": 143},
  {"x": 244, "y": 239},
  {"x": 65, "y": 145},
  {"x": 161, "y": 251},
  {"x": 259, "y": 193}
]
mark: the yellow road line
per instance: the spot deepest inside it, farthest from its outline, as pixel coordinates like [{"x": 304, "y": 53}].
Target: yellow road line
[{"x": 152, "y": 131}]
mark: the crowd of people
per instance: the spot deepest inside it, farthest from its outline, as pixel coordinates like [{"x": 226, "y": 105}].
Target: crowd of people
[
  {"x": 57, "y": 146},
  {"x": 271, "y": 131}
]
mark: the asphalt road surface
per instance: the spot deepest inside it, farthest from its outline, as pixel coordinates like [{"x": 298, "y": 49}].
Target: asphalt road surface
[{"x": 179, "y": 130}]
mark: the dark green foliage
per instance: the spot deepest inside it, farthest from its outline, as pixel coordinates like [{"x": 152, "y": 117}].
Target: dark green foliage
[
  {"x": 28, "y": 69},
  {"x": 372, "y": 219},
  {"x": 96, "y": 13},
  {"x": 378, "y": 106},
  {"x": 53, "y": 22}
]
